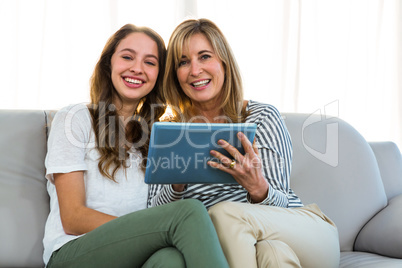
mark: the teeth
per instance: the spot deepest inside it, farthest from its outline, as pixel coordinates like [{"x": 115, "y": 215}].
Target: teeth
[
  {"x": 133, "y": 81},
  {"x": 201, "y": 83}
]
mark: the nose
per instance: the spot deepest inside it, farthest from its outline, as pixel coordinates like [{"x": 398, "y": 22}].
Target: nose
[
  {"x": 136, "y": 67},
  {"x": 196, "y": 69}
]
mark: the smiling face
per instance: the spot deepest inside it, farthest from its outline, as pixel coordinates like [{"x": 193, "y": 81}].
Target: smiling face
[
  {"x": 200, "y": 72},
  {"x": 134, "y": 68}
]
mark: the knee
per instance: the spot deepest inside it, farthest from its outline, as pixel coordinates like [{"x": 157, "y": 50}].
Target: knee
[
  {"x": 191, "y": 205},
  {"x": 216, "y": 212},
  {"x": 232, "y": 214},
  {"x": 225, "y": 210},
  {"x": 216, "y": 209},
  {"x": 222, "y": 207},
  {"x": 166, "y": 257}
]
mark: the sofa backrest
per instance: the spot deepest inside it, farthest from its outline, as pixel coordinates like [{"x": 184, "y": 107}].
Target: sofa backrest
[
  {"x": 24, "y": 202},
  {"x": 334, "y": 167},
  {"x": 389, "y": 161}
]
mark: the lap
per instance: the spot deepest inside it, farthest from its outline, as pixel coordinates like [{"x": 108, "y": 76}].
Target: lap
[
  {"x": 130, "y": 239},
  {"x": 307, "y": 230}
]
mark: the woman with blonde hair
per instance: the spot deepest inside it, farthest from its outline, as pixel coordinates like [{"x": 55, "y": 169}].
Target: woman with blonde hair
[
  {"x": 95, "y": 172},
  {"x": 260, "y": 222}
]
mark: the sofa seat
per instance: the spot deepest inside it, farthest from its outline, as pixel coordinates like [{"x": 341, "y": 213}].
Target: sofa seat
[{"x": 353, "y": 259}]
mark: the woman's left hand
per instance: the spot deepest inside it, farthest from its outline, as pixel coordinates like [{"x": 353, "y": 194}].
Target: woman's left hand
[{"x": 246, "y": 169}]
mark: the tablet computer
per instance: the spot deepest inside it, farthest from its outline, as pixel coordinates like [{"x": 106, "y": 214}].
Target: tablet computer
[{"x": 179, "y": 152}]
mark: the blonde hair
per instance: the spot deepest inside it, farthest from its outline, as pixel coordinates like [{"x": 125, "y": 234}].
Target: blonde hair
[{"x": 232, "y": 89}]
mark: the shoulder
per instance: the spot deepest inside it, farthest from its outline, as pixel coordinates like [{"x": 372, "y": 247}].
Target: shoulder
[
  {"x": 78, "y": 109},
  {"x": 271, "y": 129},
  {"x": 262, "y": 111},
  {"x": 73, "y": 112},
  {"x": 73, "y": 118}
]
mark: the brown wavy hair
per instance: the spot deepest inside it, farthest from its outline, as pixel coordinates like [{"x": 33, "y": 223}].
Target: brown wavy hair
[
  {"x": 232, "y": 89},
  {"x": 113, "y": 138}
]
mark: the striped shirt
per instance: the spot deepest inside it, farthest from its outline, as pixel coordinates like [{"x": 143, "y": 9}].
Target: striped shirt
[{"x": 275, "y": 150}]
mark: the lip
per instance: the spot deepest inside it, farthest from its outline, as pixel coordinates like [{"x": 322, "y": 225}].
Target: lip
[
  {"x": 202, "y": 87},
  {"x": 133, "y": 85}
]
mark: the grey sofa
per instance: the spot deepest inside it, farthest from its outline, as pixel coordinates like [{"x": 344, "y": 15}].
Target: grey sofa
[{"x": 357, "y": 184}]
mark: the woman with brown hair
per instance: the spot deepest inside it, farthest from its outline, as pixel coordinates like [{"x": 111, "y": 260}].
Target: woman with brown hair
[
  {"x": 95, "y": 172},
  {"x": 260, "y": 221}
]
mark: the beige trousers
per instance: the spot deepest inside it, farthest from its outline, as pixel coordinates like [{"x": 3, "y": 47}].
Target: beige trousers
[{"x": 265, "y": 236}]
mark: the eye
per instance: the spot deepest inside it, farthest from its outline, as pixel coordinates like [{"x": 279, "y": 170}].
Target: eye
[
  {"x": 127, "y": 57},
  {"x": 150, "y": 63},
  {"x": 182, "y": 63},
  {"x": 205, "y": 56}
]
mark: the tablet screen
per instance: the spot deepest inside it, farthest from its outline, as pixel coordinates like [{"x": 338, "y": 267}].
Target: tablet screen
[{"x": 179, "y": 152}]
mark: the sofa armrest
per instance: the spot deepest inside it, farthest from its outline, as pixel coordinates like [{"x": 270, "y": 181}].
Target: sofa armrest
[
  {"x": 383, "y": 233},
  {"x": 389, "y": 161}
]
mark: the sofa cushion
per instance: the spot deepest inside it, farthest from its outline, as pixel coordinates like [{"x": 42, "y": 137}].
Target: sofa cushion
[
  {"x": 367, "y": 260},
  {"x": 24, "y": 202},
  {"x": 389, "y": 161},
  {"x": 334, "y": 166},
  {"x": 383, "y": 233}
]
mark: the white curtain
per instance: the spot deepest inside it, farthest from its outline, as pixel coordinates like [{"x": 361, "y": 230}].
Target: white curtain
[
  {"x": 50, "y": 47},
  {"x": 337, "y": 57}
]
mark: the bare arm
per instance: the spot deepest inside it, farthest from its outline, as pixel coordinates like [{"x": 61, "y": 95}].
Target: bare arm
[{"x": 76, "y": 218}]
